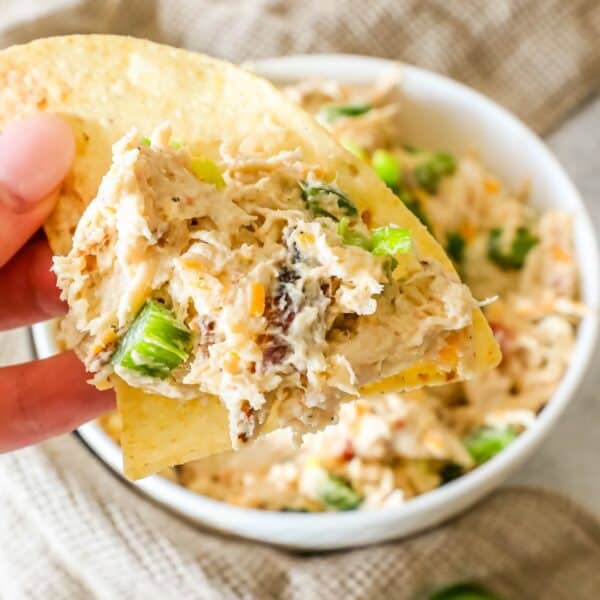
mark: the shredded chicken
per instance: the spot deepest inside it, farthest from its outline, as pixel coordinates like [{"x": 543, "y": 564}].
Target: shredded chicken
[{"x": 282, "y": 311}]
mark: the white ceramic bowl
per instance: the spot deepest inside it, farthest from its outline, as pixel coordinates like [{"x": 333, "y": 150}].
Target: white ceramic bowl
[{"x": 437, "y": 113}]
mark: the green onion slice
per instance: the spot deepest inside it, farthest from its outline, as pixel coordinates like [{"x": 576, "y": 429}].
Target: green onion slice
[
  {"x": 331, "y": 113},
  {"x": 390, "y": 240},
  {"x": 155, "y": 343},
  {"x": 484, "y": 443},
  {"x": 430, "y": 172},
  {"x": 337, "y": 493},
  {"x": 521, "y": 244},
  {"x": 387, "y": 167},
  {"x": 455, "y": 246},
  {"x": 350, "y": 237},
  {"x": 317, "y": 193},
  {"x": 450, "y": 471},
  {"x": 463, "y": 591}
]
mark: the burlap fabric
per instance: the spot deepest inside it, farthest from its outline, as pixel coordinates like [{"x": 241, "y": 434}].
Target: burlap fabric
[
  {"x": 68, "y": 529},
  {"x": 539, "y": 58}
]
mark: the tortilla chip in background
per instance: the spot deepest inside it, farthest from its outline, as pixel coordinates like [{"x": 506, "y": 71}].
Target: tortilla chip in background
[{"x": 104, "y": 85}]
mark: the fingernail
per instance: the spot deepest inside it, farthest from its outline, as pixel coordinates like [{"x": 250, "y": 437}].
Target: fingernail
[{"x": 35, "y": 156}]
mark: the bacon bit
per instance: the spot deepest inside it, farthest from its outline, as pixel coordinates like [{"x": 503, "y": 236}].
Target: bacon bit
[
  {"x": 468, "y": 231},
  {"x": 491, "y": 185},
  {"x": 246, "y": 408},
  {"x": 232, "y": 363},
  {"x": 206, "y": 326},
  {"x": 366, "y": 217},
  {"x": 451, "y": 375},
  {"x": 275, "y": 349},
  {"x": 257, "y": 299},
  {"x": 329, "y": 288},
  {"x": 280, "y": 311},
  {"x": 243, "y": 437},
  {"x": 348, "y": 451},
  {"x": 559, "y": 254}
]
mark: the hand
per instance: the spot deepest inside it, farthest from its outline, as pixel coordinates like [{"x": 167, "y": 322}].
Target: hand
[{"x": 45, "y": 397}]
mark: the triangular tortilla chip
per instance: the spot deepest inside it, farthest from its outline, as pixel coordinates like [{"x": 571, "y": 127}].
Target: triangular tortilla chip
[{"x": 104, "y": 85}]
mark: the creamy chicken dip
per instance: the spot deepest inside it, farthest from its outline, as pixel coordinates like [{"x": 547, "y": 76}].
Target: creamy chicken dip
[
  {"x": 389, "y": 448},
  {"x": 250, "y": 278}
]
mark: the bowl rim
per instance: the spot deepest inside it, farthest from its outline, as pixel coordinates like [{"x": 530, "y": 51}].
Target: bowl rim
[{"x": 193, "y": 505}]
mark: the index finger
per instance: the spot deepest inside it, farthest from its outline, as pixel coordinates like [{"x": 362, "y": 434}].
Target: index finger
[{"x": 45, "y": 398}]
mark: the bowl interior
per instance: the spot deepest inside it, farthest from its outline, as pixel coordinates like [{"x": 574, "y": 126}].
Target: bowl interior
[{"x": 439, "y": 114}]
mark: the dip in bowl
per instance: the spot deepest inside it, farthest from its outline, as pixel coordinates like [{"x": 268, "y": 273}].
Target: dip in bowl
[{"x": 433, "y": 114}]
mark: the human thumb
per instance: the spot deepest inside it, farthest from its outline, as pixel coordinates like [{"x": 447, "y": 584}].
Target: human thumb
[{"x": 35, "y": 155}]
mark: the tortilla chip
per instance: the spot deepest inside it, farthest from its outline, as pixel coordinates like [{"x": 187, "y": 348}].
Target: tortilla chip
[{"x": 104, "y": 85}]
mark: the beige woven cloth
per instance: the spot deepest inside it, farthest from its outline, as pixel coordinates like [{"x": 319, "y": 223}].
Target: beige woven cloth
[
  {"x": 68, "y": 529},
  {"x": 71, "y": 531},
  {"x": 539, "y": 58}
]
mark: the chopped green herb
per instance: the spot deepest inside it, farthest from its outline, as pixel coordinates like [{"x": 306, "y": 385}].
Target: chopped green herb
[
  {"x": 484, "y": 443},
  {"x": 176, "y": 145},
  {"x": 383, "y": 240},
  {"x": 387, "y": 167},
  {"x": 350, "y": 237},
  {"x": 353, "y": 147},
  {"x": 463, "y": 591},
  {"x": 334, "y": 111},
  {"x": 444, "y": 163},
  {"x": 455, "y": 246},
  {"x": 338, "y": 494},
  {"x": 411, "y": 149},
  {"x": 450, "y": 471},
  {"x": 390, "y": 240},
  {"x": 294, "y": 510},
  {"x": 155, "y": 343},
  {"x": 315, "y": 194},
  {"x": 430, "y": 172},
  {"x": 521, "y": 244},
  {"x": 145, "y": 140}
]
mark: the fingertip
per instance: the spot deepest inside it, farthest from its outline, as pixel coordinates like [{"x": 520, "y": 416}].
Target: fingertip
[
  {"x": 45, "y": 398},
  {"x": 35, "y": 155}
]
